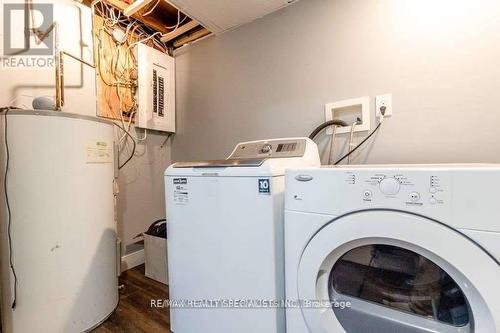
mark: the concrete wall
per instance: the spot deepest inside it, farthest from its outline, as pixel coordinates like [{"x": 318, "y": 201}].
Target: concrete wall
[{"x": 271, "y": 78}]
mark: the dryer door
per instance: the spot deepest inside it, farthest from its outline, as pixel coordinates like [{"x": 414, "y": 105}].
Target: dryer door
[{"x": 385, "y": 271}]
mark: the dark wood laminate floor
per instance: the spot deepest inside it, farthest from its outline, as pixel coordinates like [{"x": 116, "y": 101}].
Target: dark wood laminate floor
[{"x": 134, "y": 313}]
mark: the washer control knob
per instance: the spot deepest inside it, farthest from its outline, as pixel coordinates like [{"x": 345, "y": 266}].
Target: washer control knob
[
  {"x": 266, "y": 149},
  {"x": 389, "y": 186},
  {"x": 432, "y": 201}
]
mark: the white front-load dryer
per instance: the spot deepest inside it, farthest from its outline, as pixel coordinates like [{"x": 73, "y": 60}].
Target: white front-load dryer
[
  {"x": 225, "y": 238},
  {"x": 406, "y": 249}
]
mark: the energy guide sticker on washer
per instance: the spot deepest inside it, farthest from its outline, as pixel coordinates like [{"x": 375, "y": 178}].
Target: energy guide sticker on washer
[
  {"x": 264, "y": 186},
  {"x": 181, "y": 193}
]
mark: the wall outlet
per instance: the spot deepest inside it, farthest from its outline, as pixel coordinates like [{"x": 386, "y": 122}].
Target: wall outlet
[{"x": 383, "y": 100}]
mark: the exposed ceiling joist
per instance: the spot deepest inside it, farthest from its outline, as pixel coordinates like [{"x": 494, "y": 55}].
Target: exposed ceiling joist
[
  {"x": 179, "y": 31},
  {"x": 191, "y": 37},
  {"x": 161, "y": 16},
  {"x": 136, "y": 6},
  {"x": 149, "y": 21}
]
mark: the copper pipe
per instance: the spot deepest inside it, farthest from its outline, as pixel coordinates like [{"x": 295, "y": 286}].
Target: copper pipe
[
  {"x": 60, "y": 76},
  {"x": 59, "y": 82},
  {"x": 78, "y": 59}
]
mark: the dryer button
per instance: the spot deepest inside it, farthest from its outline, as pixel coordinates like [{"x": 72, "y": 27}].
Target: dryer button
[
  {"x": 414, "y": 196},
  {"x": 389, "y": 186}
]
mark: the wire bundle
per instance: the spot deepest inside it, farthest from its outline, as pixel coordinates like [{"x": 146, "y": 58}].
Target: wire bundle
[{"x": 117, "y": 64}]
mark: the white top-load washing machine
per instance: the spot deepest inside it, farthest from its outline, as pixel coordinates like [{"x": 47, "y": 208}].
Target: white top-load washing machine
[
  {"x": 407, "y": 249},
  {"x": 225, "y": 237}
]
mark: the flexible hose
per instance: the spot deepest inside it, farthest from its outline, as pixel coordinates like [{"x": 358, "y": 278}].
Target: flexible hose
[
  {"x": 332, "y": 145},
  {"x": 351, "y": 135},
  {"x": 359, "y": 144},
  {"x": 334, "y": 122}
]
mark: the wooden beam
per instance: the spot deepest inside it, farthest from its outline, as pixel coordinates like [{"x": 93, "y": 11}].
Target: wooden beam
[
  {"x": 179, "y": 31},
  {"x": 156, "y": 21},
  {"x": 136, "y": 6},
  {"x": 150, "y": 22},
  {"x": 191, "y": 37}
]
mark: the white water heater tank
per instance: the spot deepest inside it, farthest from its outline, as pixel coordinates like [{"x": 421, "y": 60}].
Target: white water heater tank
[{"x": 61, "y": 220}]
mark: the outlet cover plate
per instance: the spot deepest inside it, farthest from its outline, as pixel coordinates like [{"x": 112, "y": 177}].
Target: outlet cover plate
[{"x": 383, "y": 100}]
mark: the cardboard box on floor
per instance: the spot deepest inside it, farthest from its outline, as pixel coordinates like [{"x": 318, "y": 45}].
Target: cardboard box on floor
[{"x": 155, "y": 252}]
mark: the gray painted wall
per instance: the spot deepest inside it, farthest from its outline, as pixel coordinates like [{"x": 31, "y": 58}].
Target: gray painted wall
[
  {"x": 271, "y": 78},
  {"x": 142, "y": 193}
]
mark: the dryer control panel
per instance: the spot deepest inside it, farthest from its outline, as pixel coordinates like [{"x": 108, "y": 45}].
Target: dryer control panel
[
  {"x": 400, "y": 188},
  {"x": 464, "y": 196}
]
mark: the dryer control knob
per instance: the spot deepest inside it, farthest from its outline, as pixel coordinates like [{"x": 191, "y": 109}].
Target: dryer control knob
[
  {"x": 389, "y": 186},
  {"x": 266, "y": 149}
]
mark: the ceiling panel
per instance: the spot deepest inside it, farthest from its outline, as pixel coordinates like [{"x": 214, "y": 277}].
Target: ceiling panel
[{"x": 221, "y": 15}]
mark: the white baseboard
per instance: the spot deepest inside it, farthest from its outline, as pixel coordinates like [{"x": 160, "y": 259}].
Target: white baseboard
[{"x": 132, "y": 260}]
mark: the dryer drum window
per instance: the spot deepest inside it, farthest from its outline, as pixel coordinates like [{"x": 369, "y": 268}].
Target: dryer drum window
[{"x": 399, "y": 279}]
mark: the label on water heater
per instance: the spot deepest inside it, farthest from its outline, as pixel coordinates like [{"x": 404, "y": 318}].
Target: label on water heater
[{"x": 99, "y": 151}]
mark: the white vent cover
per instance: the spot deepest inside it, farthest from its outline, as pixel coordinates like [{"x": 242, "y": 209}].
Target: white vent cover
[
  {"x": 221, "y": 15},
  {"x": 156, "y": 90}
]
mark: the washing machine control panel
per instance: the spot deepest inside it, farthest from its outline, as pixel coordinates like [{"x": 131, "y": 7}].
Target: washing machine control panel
[{"x": 270, "y": 149}]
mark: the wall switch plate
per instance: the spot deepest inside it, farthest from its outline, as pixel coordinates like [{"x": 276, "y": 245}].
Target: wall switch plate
[
  {"x": 349, "y": 110},
  {"x": 383, "y": 100}
]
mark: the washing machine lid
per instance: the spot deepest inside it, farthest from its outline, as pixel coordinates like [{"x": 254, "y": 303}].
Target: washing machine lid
[
  {"x": 244, "y": 162},
  {"x": 255, "y": 158},
  {"x": 458, "y": 262}
]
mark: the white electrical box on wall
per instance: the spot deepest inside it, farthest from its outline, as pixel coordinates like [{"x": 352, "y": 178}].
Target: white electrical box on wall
[
  {"x": 155, "y": 93},
  {"x": 355, "y": 110}
]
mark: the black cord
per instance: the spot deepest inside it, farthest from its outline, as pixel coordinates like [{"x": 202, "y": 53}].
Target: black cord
[
  {"x": 133, "y": 149},
  {"x": 359, "y": 145},
  {"x": 9, "y": 213},
  {"x": 165, "y": 142}
]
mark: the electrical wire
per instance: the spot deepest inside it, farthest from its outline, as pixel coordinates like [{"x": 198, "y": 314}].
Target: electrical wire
[
  {"x": 165, "y": 141},
  {"x": 120, "y": 166},
  {"x": 9, "y": 212},
  {"x": 117, "y": 67},
  {"x": 359, "y": 145},
  {"x": 178, "y": 22},
  {"x": 351, "y": 135},
  {"x": 152, "y": 8},
  {"x": 143, "y": 40}
]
